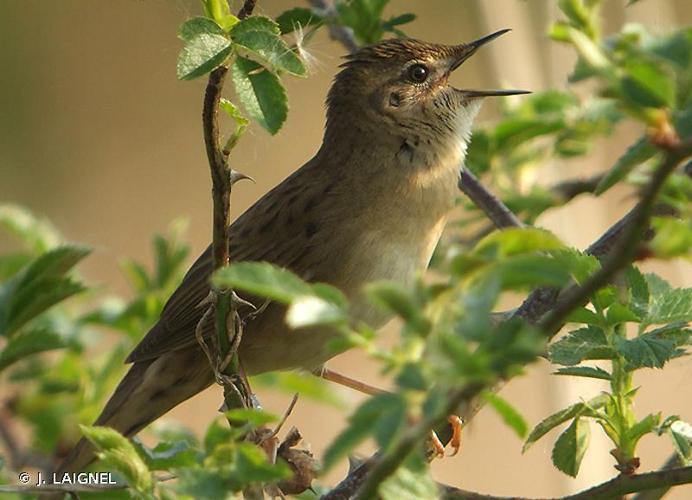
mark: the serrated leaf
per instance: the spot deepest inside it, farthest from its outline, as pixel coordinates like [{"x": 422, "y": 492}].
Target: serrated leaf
[
  {"x": 197, "y": 26},
  {"x": 201, "y": 55},
  {"x": 646, "y": 350},
  {"x": 28, "y": 343},
  {"x": 262, "y": 279},
  {"x": 509, "y": 414},
  {"x": 579, "y": 345},
  {"x": 584, "y": 371},
  {"x": 549, "y": 423},
  {"x": 635, "y": 154},
  {"x": 271, "y": 52},
  {"x": 118, "y": 452},
  {"x": 256, "y": 23},
  {"x": 639, "y": 291},
  {"x": 570, "y": 447},
  {"x": 670, "y": 306},
  {"x": 297, "y": 17},
  {"x": 681, "y": 434},
  {"x": 261, "y": 94}
]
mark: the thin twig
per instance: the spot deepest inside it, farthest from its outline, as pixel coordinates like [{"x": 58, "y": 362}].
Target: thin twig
[
  {"x": 501, "y": 216},
  {"x": 338, "y": 32}
]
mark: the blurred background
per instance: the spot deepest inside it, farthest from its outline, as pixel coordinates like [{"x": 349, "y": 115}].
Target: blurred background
[{"x": 98, "y": 135}]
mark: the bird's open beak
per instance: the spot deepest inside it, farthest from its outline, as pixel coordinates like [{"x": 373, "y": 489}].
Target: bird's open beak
[{"x": 466, "y": 50}]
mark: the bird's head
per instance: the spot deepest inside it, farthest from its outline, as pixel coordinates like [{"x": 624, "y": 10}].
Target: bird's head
[{"x": 400, "y": 88}]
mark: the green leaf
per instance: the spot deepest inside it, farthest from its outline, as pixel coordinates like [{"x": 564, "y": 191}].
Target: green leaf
[
  {"x": 232, "y": 110},
  {"x": 255, "y": 23},
  {"x": 570, "y": 447},
  {"x": 197, "y": 26},
  {"x": 645, "y": 84},
  {"x": 639, "y": 291},
  {"x": 412, "y": 481},
  {"x": 390, "y": 297},
  {"x": 398, "y": 20},
  {"x": 118, "y": 452},
  {"x": 579, "y": 345},
  {"x": 670, "y": 306},
  {"x": 220, "y": 11},
  {"x": 618, "y": 313},
  {"x": 636, "y": 154},
  {"x": 312, "y": 311},
  {"x": 383, "y": 416},
  {"x": 38, "y": 286},
  {"x": 28, "y": 343},
  {"x": 510, "y": 415},
  {"x": 549, "y": 423},
  {"x": 645, "y": 426},
  {"x": 646, "y": 350},
  {"x": 364, "y": 17},
  {"x": 675, "y": 48},
  {"x": 262, "y": 279},
  {"x": 681, "y": 434},
  {"x": 672, "y": 237},
  {"x": 252, "y": 416},
  {"x": 517, "y": 241},
  {"x": 297, "y": 17},
  {"x": 584, "y": 371},
  {"x": 523, "y": 271},
  {"x": 308, "y": 386},
  {"x": 38, "y": 234},
  {"x": 202, "y": 54},
  {"x": 166, "y": 456},
  {"x": 257, "y": 38},
  {"x": 260, "y": 93}
]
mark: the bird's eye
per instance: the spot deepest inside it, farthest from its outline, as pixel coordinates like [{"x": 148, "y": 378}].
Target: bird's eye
[{"x": 418, "y": 73}]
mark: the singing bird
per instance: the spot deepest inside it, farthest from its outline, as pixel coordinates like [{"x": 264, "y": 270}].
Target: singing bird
[{"x": 370, "y": 205}]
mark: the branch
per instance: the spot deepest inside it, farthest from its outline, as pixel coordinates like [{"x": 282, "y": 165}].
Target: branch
[
  {"x": 337, "y": 32},
  {"x": 615, "y": 488},
  {"x": 224, "y": 361},
  {"x": 624, "y": 249},
  {"x": 496, "y": 211}
]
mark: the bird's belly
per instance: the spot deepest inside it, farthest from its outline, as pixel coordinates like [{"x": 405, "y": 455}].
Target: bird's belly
[{"x": 270, "y": 345}]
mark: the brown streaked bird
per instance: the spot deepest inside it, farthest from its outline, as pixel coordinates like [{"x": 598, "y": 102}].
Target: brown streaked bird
[{"x": 370, "y": 205}]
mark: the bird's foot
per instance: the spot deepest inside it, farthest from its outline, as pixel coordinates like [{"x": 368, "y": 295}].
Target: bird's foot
[{"x": 437, "y": 449}]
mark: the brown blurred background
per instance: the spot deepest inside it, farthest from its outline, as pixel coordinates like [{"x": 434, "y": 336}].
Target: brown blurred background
[{"x": 97, "y": 134}]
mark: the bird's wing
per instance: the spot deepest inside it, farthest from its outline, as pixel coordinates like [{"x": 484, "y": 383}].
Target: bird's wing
[{"x": 280, "y": 228}]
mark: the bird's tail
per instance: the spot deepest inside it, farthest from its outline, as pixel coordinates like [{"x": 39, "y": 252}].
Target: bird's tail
[{"x": 149, "y": 389}]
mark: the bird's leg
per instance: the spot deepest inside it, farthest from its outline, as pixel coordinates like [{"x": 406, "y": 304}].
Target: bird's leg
[
  {"x": 349, "y": 382},
  {"x": 437, "y": 448}
]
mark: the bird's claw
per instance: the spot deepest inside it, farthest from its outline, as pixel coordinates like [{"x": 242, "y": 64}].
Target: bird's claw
[{"x": 438, "y": 449}]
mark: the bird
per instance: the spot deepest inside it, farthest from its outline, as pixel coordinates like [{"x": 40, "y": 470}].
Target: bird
[{"x": 370, "y": 205}]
